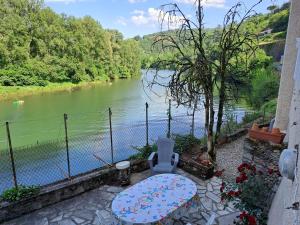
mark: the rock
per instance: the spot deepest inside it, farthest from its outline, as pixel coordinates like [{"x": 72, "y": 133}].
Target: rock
[
  {"x": 216, "y": 180},
  {"x": 67, "y": 222},
  {"x": 207, "y": 203},
  {"x": 105, "y": 214},
  {"x": 223, "y": 212},
  {"x": 107, "y": 196},
  {"x": 209, "y": 187},
  {"x": 56, "y": 219},
  {"x": 228, "y": 219},
  {"x": 114, "y": 189},
  {"x": 214, "y": 197},
  {"x": 78, "y": 220}
]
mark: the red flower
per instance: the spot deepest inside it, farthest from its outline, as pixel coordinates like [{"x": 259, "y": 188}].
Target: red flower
[
  {"x": 270, "y": 171},
  {"x": 253, "y": 169},
  {"x": 222, "y": 187},
  {"x": 251, "y": 220},
  {"x": 246, "y": 217},
  {"x": 242, "y": 167},
  {"x": 219, "y": 173},
  {"x": 241, "y": 178},
  {"x": 238, "y": 180},
  {"x": 231, "y": 193},
  {"x": 244, "y": 176},
  {"x": 243, "y": 215},
  {"x": 237, "y": 193},
  {"x": 247, "y": 166}
]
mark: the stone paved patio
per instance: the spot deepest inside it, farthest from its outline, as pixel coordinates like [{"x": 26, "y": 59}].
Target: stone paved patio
[{"x": 82, "y": 209}]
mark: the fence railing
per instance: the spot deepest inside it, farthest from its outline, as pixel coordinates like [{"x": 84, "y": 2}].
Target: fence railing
[{"x": 81, "y": 148}]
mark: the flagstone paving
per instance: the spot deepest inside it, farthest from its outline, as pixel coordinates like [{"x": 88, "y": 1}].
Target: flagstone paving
[{"x": 82, "y": 209}]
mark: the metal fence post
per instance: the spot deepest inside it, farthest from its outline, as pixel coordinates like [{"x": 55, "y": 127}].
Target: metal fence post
[
  {"x": 67, "y": 144},
  {"x": 169, "y": 120},
  {"x": 111, "y": 138},
  {"x": 12, "y": 159},
  {"x": 147, "y": 125}
]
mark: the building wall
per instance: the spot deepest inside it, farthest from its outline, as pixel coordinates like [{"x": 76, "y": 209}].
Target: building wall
[
  {"x": 286, "y": 82},
  {"x": 289, "y": 117}
]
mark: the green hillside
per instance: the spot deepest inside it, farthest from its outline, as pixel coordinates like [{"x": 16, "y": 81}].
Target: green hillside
[
  {"x": 276, "y": 21},
  {"x": 39, "y": 47}
]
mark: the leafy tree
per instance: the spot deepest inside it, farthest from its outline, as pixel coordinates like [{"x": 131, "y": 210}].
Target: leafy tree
[
  {"x": 205, "y": 62},
  {"x": 38, "y": 46},
  {"x": 272, "y": 8}
]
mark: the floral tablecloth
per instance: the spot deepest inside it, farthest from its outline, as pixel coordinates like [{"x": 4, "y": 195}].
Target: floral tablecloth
[{"x": 156, "y": 200}]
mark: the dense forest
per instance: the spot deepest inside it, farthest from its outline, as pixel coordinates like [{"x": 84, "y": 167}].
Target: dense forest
[
  {"x": 275, "y": 21},
  {"x": 260, "y": 87},
  {"x": 38, "y": 46}
]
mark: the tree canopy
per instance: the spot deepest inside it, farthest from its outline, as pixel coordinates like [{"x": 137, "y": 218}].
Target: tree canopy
[
  {"x": 38, "y": 46},
  {"x": 277, "y": 20}
]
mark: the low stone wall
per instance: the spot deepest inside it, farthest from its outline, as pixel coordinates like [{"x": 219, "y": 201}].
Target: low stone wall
[
  {"x": 232, "y": 137},
  {"x": 63, "y": 190},
  {"x": 197, "y": 169},
  {"x": 263, "y": 154}
]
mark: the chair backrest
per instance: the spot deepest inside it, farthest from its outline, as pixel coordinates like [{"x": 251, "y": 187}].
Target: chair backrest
[{"x": 165, "y": 149}]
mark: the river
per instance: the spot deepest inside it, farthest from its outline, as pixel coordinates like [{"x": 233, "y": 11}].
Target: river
[{"x": 37, "y": 129}]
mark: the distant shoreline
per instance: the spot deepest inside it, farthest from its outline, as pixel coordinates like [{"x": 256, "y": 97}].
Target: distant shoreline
[{"x": 17, "y": 92}]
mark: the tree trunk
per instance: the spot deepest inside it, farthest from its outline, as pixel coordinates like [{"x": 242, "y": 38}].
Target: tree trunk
[
  {"x": 193, "y": 117},
  {"x": 220, "y": 109},
  {"x": 210, "y": 133},
  {"x": 206, "y": 107}
]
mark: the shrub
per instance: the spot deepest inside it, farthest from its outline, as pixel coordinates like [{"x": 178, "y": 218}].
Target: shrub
[
  {"x": 231, "y": 124},
  {"x": 185, "y": 142},
  {"x": 250, "y": 193},
  {"x": 22, "y": 192},
  {"x": 264, "y": 87},
  {"x": 269, "y": 108},
  {"x": 250, "y": 117},
  {"x": 144, "y": 152}
]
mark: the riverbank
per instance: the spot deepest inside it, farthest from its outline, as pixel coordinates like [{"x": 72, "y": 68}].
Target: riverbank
[{"x": 17, "y": 92}]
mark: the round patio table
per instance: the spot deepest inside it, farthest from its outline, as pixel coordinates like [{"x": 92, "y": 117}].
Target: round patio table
[{"x": 155, "y": 200}]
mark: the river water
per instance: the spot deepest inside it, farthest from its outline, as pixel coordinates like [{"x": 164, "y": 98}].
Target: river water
[{"x": 37, "y": 129}]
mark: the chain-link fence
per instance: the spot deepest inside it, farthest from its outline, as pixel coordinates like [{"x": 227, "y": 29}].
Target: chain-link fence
[{"x": 78, "y": 144}]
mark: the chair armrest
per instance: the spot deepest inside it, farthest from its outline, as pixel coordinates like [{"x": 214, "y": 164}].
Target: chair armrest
[
  {"x": 175, "y": 159},
  {"x": 151, "y": 159}
]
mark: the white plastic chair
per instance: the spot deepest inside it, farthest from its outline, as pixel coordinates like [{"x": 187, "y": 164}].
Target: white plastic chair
[{"x": 167, "y": 159}]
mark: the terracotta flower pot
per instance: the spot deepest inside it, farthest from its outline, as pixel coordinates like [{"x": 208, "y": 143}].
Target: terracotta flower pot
[
  {"x": 275, "y": 131},
  {"x": 267, "y": 136},
  {"x": 255, "y": 126}
]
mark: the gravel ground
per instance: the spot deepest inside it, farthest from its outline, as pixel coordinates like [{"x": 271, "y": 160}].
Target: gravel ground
[{"x": 229, "y": 157}]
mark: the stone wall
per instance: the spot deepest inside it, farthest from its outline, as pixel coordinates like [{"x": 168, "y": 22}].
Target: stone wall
[
  {"x": 264, "y": 155},
  {"x": 196, "y": 169},
  {"x": 63, "y": 190}
]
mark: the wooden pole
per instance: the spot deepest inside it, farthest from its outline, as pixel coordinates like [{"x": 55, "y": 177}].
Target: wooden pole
[
  {"x": 67, "y": 144},
  {"x": 11, "y": 155},
  {"x": 169, "y": 120},
  {"x": 147, "y": 125},
  {"x": 111, "y": 138}
]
